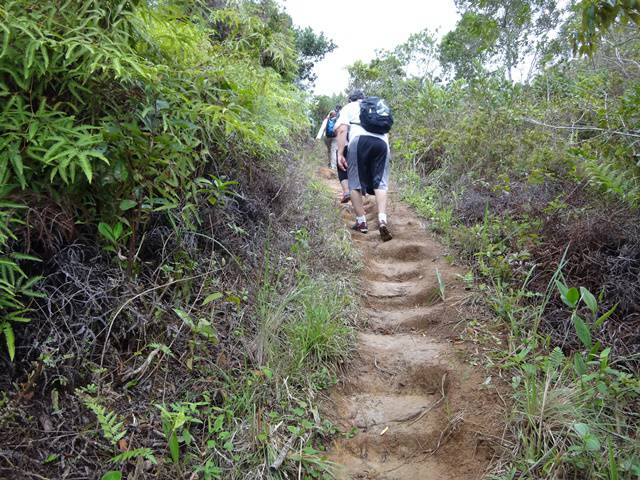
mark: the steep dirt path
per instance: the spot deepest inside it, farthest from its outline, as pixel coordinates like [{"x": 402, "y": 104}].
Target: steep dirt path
[{"x": 416, "y": 409}]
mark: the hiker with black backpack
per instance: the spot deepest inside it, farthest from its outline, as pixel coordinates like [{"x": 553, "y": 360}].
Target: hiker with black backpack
[{"x": 367, "y": 120}]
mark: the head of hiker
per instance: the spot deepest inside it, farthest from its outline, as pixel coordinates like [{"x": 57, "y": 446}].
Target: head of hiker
[
  {"x": 363, "y": 126},
  {"x": 355, "y": 95}
]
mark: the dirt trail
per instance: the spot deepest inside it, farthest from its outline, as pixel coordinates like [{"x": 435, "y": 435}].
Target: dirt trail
[{"x": 417, "y": 410}]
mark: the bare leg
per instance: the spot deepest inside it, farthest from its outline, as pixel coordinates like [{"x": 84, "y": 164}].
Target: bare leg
[
  {"x": 381, "y": 200},
  {"x": 333, "y": 154},
  {"x": 356, "y": 201},
  {"x": 345, "y": 187}
]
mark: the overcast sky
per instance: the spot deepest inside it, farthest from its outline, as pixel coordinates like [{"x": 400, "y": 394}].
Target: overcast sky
[{"x": 359, "y": 27}]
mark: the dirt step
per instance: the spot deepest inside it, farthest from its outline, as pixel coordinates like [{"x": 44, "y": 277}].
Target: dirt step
[
  {"x": 411, "y": 349},
  {"x": 380, "y": 410},
  {"x": 399, "y": 250},
  {"x": 416, "y": 467},
  {"x": 417, "y": 296},
  {"x": 401, "y": 271},
  {"x": 390, "y": 441},
  {"x": 413, "y": 318},
  {"x": 397, "y": 377},
  {"x": 390, "y": 289}
]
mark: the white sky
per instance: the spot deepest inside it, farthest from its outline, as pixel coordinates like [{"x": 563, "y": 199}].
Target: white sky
[{"x": 359, "y": 27}]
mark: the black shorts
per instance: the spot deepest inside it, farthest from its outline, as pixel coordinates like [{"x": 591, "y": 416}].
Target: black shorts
[{"x": 368, "y": 160}]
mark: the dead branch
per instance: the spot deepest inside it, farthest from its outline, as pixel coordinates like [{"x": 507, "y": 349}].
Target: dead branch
[
  {"x": 282, "y": 455},
  {"x": 584, "y": 128}
]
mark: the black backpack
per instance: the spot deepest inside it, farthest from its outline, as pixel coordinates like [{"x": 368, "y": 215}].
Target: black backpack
[{"x": 375, "y": 115}]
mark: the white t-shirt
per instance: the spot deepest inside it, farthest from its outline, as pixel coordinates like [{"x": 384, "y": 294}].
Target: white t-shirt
[{"x": 350, "y": 116}]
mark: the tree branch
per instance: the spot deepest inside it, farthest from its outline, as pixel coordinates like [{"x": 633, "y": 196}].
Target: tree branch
[{"x": 585, "y": 128}]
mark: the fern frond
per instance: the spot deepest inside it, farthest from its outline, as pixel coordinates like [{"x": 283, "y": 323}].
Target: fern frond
[
  {"x": 145, "y": 453},
  {"x": 112, "y": 429},
  {"x": 614, "y": 180},
  {"x": 555, "y": 359}
]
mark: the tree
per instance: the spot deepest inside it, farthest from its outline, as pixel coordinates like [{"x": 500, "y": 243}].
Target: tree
[
  {"x": 379, "y": 77},
  {"x": 597, "y": 17},
  {"x": 312, "y": 48},
  {"x": 419, "y": 55},
  {"x": 522, "y": 26},
  {"x": 470, "y": 45}
]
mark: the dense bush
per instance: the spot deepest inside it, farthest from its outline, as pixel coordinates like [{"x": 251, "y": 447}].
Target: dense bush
[{"x": 116, "y": 112}]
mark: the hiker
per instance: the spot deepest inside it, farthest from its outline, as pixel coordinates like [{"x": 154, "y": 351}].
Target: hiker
[
  {"x": 330, "y": 138},
  {"x": 367, "y": 156},
  {"x": 342, "y": 174},
  {"x": 344, "y": 181},
  {"x": 328, "y": 131}
]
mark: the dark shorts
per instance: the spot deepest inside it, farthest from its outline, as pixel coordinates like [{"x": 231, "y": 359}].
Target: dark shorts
[{"x": 368, "y": 160}]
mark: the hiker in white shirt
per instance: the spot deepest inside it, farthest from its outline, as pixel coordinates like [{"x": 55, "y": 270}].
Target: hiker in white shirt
[{"x": 366, "y": 162}]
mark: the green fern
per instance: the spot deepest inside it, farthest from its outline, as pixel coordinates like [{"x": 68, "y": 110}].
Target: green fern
[
  {"x": 614, "y": 180},
  {"x": 112, "y": 429},
  {"x": 145, "y": 453},
  {"x": 554, "y": 361}
]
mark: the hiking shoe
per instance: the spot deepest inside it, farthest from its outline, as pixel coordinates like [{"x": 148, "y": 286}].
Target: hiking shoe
[
  {"x": 385, "y": 234},
  {"x": 360, "y": 227},
  {"x": 345, "y": 198}
]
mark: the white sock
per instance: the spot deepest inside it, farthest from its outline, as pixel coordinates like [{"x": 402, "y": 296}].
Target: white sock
[
  {"x": 362, "y": 219},
  {"x": 382, "y": 217}
]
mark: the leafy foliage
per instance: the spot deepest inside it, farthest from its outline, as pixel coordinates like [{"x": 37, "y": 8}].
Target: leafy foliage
[
  {"x": 121, "y": 111},
  {"x": 597, "y": 17}
]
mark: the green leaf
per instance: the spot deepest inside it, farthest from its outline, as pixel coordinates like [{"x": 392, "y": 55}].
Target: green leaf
[
  {"x": 105, "y": 231},
  {"x": 174, "y": 447},
  {"x": 562, "y": 288},
  {"x": 117, "y": 230},
  {"x": 52, "y": 457},
  {"x": 604, "y": 358},
  {"x": 127, "y": 205},
  {"x": 10, "y": 339},
  {"x": 589, "y": 300},
  {"x": 184, "y": 316},
  {"x": 218, "y": 423},
  {"x": 86, "y": 166},
  {"x": 25, "y": 256},
  {"x": 212, "y": 297},
  {"x": 613, "y": 463},
  {"x": 112, "y": 475},
  {"x": 186, "y": 436},
  {"x": 591, "y": 443},
  {"x": 233, "y": 299},
  {"x": 18, "y": 167},
  {"x": 582, "y": 429},
  {"x": 5, "y": 39},
  {"x": 598, "y": 323},
  {"x": 582, "y": 330},
  {"x": 579, "y": 365},
  {"x": 571, "y": 298}
]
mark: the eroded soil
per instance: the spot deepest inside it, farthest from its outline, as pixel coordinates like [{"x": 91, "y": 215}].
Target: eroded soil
[{"x": 416, "y": 408}]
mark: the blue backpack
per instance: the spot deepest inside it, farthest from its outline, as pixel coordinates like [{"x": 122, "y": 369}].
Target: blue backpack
[{"x": 331, "y": 127}]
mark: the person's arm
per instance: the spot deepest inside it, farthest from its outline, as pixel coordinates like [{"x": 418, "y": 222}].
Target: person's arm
[{"x": 342, "y": 141}]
